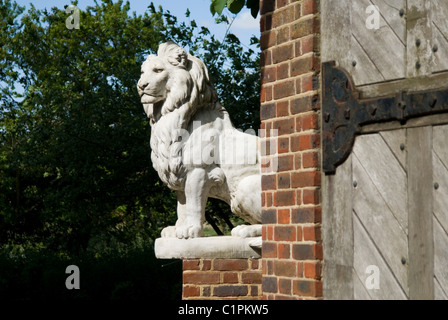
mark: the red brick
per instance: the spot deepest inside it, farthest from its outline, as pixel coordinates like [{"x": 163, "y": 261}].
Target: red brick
[
  {"x": 270, "y": 284},
  {"x": 285, "y": 163},
  {"x": 282, "y": 108},
  {"x": 299, "y": 233},
  {"x": 308, "y": 288},
  {"x": 282, "y": 17},
  {"x": 283, "y": 216},
  {"x": 283, "y": 145},
  {"x": 297, "y": 161},
  {"x": 306, "y": 215},
  {"x": 269, "y": 250},
  {"x": 302, "y": 65},
  {"x": 302, "y": 105},
  {"x": 230, "y": 291},
  {"x": 284, "y": 251},
  {"x": 230, "y": 277},
  {"x": 285, "y": 268},
  {"x": 284, "y": 126},
  {"x": 312, "y": 233},
  {"x": 309, "y": 7},
  {"x": 269, "y": 74},
  {"x": 269, "y": 199},
  {"x": 281, "y": 3},
  {"x": 305, "y": 142},
  {"x": 313, "y": 270},
  {"x": 251, "y": 277},
  {"x": 305, "y": 179},
  {"x": 318, "y": 251},
  {"x": 284, "y": 89},
  {"x": 303, "y": 28},
  {"x": 282, "y": 53},
  {"x": 267, "y": 111},
  {"x": 283, "y": 71},
  {"x": 308, "y": 44},
  {"x": 268, "y": 39},
  {"x": 285, "y": 286},
  {"x": 206, "y": 265},
  {"x": 284, "y": 198},
  {"x": 192, "y": 277},
  {"x": 268, "y": 182},
  {"x": 283, "y": 181},
  {"x": 307, "y": 121},
  {"x": 191, "y": 264},
  {"x": 269, "y": 217},
  {"x": 303, "y": 252},
  {"x": 283, "y": 35},
  {"x": 254, "y": 292},
  {"x": 310, "y": 160},
  {"x": 191, "y": 291},
  {"x": 311, "y": 196},
  {"x": 255, "y": 264},
  {"x": 230, "y": 264},
  {"x": 309, "y": 82},
  {"x": 284, "y": 233}
]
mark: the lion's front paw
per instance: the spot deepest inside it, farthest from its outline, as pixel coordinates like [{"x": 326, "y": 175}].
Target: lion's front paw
[
  {"x": 169, "y": 232},
  {"x": 247, "y": 231},
  {"x": 189, "y": 231}
]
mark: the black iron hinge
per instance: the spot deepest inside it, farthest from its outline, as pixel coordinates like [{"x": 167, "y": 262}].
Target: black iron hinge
[{"x": 344, "y": 113}]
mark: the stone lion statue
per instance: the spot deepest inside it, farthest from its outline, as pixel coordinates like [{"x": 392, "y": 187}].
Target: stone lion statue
[{"x": 196, "y": 150}]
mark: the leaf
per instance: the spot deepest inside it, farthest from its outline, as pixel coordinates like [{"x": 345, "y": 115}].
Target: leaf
[
  {"x": 217, "y": 6},
  {"x": 254, "y": 6},
  {"x": 235, "y": 6}
]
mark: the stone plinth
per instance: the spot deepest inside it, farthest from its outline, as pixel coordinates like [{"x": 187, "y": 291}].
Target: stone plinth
[{"x": 220, "y": 247}]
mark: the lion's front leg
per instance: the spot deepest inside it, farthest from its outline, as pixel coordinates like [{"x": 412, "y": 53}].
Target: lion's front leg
[
  {"x": 196, "y": 194},
  {"x": 170, "y": 232}
]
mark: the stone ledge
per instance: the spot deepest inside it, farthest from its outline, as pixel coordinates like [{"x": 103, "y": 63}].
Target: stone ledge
[{"x": 219, "y": 247}]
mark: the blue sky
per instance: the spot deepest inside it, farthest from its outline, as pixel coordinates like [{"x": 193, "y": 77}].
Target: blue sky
[{"x": 243, "y": 27}]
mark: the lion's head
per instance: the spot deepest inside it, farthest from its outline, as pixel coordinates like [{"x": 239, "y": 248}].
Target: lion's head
[
  {"x": 174, "y": 79},
  {"x": 173, "y": 86}
]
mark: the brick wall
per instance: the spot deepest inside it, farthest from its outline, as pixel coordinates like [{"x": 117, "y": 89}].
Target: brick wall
[
  {"x": 222, "y": 279},
  {"x": 290, "y": 103}
]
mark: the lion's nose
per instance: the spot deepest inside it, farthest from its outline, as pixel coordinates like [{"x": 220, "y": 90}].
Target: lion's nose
[{"x": 142, "y": 85}]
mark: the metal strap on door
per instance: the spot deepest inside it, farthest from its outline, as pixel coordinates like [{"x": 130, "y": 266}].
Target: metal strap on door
[{"x": 344, "y": 113}]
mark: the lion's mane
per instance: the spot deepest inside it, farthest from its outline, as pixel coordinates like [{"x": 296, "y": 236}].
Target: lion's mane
[{"x": 189, "y": 92}]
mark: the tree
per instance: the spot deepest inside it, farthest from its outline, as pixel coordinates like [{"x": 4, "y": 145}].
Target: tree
[
  {"x": 75, "y": 163},
  {"x": 235, "y": 6}
]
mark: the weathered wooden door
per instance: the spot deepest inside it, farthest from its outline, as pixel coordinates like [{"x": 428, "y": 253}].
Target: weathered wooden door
[{"x": 385, "y": 209}]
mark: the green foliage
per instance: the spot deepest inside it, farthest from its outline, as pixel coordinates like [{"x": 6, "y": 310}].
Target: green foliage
[
  {"x": 234, "y": 6},
  {"x": 76, "y": 178},
  {"x": 133, "y": 274}
]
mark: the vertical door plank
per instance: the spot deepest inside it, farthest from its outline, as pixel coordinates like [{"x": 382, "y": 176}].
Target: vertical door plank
[
  {"x": 338, "y": 233},
  {"x": 419, "y": 27},
  {"x": 420, "y": 185},
  {"x": 336, "y": 15}
]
